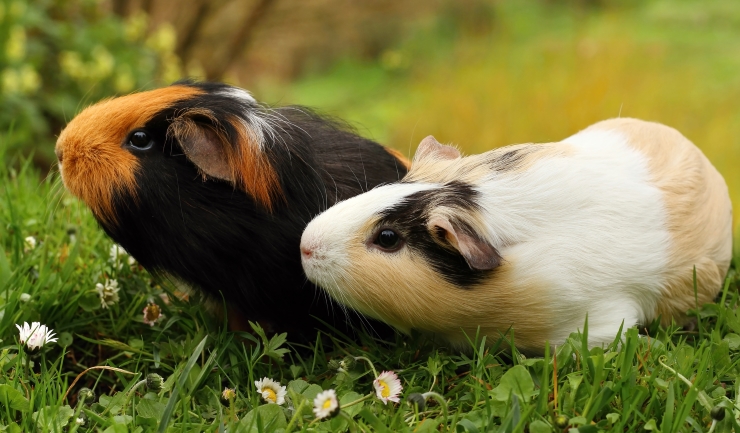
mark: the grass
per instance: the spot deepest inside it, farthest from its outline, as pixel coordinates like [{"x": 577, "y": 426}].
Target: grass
[{"x": 667, "y": 380}]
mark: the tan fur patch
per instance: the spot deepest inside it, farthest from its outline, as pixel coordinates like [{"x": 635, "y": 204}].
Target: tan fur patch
[
  {"x": 474, "y": 168},
  {"x": 471, "y": 170},
  {"x": 93, "y": 163},
  {"x": 402, "y": 290},
  {"x": 699, "y": 213}
]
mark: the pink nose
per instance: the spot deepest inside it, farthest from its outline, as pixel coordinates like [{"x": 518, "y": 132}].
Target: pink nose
[{"x": 306, "y": 252}]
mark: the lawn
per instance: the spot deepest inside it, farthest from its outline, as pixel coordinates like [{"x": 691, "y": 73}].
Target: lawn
[
  {"x": 539, "y": 74},
  {"x": 661, "y": 380}
]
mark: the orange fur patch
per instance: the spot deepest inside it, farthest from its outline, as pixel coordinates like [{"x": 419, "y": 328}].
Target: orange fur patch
[
  {"x": 93, "y": 164},
  {"x": 245, "y": 165},
  {"x": 252, "y": 169},
  {"x": 400, "y": 157}
]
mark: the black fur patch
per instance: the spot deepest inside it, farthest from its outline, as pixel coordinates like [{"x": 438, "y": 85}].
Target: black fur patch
[
  {"x": 510, "y": 159},
  {"x": 504, "y": 159},
  {"x": 411, "y": 216},
  {"x": 219, "y": 239}
]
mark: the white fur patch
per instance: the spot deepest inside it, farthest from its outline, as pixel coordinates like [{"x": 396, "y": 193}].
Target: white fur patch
[
  {"x": 257, "y": 127},
  {"x": 237, "y": 93},
  {"x": 592, "y": 225}
]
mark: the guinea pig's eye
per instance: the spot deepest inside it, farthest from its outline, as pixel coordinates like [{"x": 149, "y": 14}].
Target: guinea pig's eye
[
  {"x": 140, "y": 140},
  {"x": 388, "y": 240}
]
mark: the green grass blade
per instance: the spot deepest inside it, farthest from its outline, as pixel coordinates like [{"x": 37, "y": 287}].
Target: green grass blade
[{"x": 175, "y": 396}]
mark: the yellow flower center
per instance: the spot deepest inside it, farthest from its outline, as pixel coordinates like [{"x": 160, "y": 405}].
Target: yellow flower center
[
  {"x": 385, "y": 390},
  {"x": 270, "y": 395},
  {"x": 327, "y": 403},
  {"x": 152, "y": 313}
]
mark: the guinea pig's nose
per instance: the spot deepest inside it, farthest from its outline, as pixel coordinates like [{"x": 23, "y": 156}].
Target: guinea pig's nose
[
  {"x": 59, "y": 153},
  {"x": 306, "y": 252}
]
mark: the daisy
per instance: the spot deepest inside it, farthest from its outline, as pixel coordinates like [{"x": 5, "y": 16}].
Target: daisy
[
  {"x": 228, "y": 394},
  {"x": 387, "y": 387},
  {"x": 270, "y": 390},
  {"x": 36, "y": 335},
  {"x": 117, "y": 254},
  {"x": 108, "y": 292},
  {"x": 152, "y": 313},
  {"x": 326, "y": 405},
  {"x": 29, "y": 243}
]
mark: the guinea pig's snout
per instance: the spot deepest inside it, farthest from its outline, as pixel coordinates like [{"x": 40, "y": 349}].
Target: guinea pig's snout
[
  {"x": 60, "y": 153},
  {"x": 309, "y": 248},
  {"x": 313, "y": 250}
]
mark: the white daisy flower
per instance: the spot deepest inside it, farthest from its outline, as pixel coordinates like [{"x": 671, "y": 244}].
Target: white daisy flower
[
  {"x": 118, "y": 254},
  {"x": 387, "y": 387},
  {"x": 35, "y": 335},
  {"x": 270, "y": 390},
  {"x": 108, "y": 293},
  {"x": 152, "y": 313},
  {"x": 326, "y": 405},
  {"x": 228, "y": 393},
  {"x": 29, "y": 243}
]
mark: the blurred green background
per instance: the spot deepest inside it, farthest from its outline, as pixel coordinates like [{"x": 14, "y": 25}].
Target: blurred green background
[{"x": 477, "y": 73}]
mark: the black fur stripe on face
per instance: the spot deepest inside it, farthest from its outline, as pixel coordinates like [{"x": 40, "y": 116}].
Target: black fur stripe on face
[{"x": 411, "y": 217}]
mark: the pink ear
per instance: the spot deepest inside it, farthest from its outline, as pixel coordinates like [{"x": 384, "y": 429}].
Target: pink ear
[
  {"x": 478, "y": 253},
  {"x": 203, "y": 147},
  {"x": 430, "y": 147}
]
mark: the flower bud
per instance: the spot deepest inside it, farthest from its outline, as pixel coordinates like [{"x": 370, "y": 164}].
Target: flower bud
[
  {"x": 347, "y": 363},
  {"x": 154, "y": 382},
  {"x": 561, "y": 421},
  {"x": 85, "y": 395},
  {"x": 417, "y": 399},
  {"x": 718, "y": 413}
]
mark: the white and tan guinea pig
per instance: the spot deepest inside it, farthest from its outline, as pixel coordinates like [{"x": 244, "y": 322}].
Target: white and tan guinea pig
[{"x": 533, "y": 237}]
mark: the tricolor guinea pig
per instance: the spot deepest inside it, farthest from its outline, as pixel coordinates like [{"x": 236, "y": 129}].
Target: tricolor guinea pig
[
  {"x": 531, "y": 238},
  {"x": 200, "y": 182}
]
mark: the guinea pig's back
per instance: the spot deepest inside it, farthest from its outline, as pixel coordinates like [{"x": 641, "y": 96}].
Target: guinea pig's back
[{"x": 697, "y": 209}]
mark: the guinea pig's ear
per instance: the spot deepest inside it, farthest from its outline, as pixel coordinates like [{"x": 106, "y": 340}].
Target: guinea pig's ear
[
  {"x": 431, "y": 148},
  {"x": 203, "y": 145},
  {"x": 478, "y": 253},
  {"x": 236, "y": 158}
]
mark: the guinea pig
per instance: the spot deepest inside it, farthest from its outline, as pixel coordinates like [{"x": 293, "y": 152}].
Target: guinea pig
[
  {"x": 607, "y": 224},
  {"x": 201, "y": 183}
]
